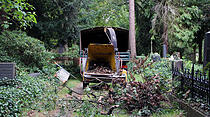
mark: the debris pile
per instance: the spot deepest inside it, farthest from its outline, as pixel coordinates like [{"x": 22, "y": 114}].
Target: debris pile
[
  {"x": 101, "y": 69},
  {"x": 98, "y": 67}
]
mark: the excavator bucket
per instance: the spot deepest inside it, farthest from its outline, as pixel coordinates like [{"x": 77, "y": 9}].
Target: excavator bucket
[{"x": 101, "y": 54}]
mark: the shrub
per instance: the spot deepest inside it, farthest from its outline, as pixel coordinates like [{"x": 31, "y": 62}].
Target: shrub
[
  {"x": 17, "y": 47},
  {"x": 27, "y": 93},
  {"x": 136, "y": 95},
  {"x": 146, "y": 68}
]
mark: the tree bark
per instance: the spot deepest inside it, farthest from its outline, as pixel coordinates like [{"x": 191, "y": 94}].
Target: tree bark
[
  {"x": 165, "y": 29},
  {"x": 194, "y": 54},
  {"x": 132, "y": 40}
]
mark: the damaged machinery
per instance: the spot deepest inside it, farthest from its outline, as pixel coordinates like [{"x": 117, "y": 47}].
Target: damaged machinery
[{"x": 103, "y": 54}]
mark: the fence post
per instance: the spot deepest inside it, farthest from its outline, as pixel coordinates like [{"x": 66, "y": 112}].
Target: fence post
[
  {"x": 172, "y": 65},
  {"x": 192, "y": 76},
  {"x": 173, "y": 70}
]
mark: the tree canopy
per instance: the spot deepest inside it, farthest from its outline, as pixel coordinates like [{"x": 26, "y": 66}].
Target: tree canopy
[
  {"x": 18, "y": 13},
  {"x": 178, "y": 24}
]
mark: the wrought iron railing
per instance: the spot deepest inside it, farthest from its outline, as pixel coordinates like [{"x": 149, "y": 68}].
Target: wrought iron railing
[{"x": 197, "y": 83}]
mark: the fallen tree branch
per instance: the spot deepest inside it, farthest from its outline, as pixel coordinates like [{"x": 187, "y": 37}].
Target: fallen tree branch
[
  {"x": 110, "y": 110},
  {"x": 78, "y": 100}
]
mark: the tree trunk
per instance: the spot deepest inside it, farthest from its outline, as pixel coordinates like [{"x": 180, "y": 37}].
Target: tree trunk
[
  {"x": 194, "y": 54},
  {"x": 132, "y": 40},
  {"x": 165, "y": 30}
]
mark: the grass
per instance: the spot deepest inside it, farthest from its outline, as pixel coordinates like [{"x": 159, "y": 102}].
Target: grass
[
  {"x": 169, "y": 113},
  {"x": 139, "y": 78},
  {"x": 71, "y": 83}
]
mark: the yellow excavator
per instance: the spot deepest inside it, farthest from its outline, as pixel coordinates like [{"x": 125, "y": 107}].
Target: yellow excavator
[{"x": 103, "y": 54}]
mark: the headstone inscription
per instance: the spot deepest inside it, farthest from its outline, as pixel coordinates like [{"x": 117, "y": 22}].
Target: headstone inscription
[{"x": 7, "y": 70}]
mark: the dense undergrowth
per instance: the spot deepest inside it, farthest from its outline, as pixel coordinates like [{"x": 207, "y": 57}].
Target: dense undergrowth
[
  {"x": 24, "y": 93},
  {"x": 19, "y": 96},
  {"x": 143, "y": 95}
]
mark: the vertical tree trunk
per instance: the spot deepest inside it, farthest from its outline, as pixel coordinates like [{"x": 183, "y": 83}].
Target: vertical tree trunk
[
  {"x": 132, "y": 40},
  {"x": 194, "y": 54},
  {"x": 165, "y": 30}
]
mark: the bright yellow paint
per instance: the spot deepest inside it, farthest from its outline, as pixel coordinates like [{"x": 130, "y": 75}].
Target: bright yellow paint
[
  {"x": 103, "y": 53},
  {"x": 125, "y": 72}
]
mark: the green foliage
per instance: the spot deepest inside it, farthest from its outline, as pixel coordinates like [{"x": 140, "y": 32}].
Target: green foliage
[
  {"x": 163, "y": 70},
  {"x": 17, "y": 47},
  {"x": 73, "y": 52},
  {"x": 186, "y": 21},
  {"x": 104, "y": 13},
  {"x": 17, "y": 12},
  {"x": 27, "y": 93},
  {"x": 169, "y": 113},
  {"x": 72, "y": 64},
  {"x": 188, "y": 64},
  {"x": 145, "y": 68},
  {"x": 186, "y": 26},
  {"x": 88, "y": 110},
  {"x": 144, "y": 14},
  {"x": 57, "y": 21},
  {"x": 131, "y": 96}
]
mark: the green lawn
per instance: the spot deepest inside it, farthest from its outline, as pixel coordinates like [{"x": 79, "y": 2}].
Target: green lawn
[{"x": 71, "y": 83}]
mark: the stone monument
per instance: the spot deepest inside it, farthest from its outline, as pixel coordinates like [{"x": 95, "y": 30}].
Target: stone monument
[{"x": 206, "y": 49}]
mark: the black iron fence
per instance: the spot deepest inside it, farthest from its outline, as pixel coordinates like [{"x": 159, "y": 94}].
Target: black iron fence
[{"x": 194, "y": 83}]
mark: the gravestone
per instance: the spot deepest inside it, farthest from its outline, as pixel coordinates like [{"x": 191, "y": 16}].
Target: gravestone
[
  {"x": 178, "y": 64},
  {"x": 156, "y": 57},
  {"x": 206, "y": 49},
  {"x": 7, "y": 70},
  {"x": 164, "y": 51},
  {"x": 34, "y": 74}
]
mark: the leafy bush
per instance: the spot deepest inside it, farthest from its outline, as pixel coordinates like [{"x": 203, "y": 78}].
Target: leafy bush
[
  {"x": 144, "y": 97},
  {"x": 146, "y": 68},
  {"x": 17, "y": 47},
  {"x": 73, "y": 52},
  {"x": 72, "y": 65},
  {"x": 27, "y": 93}
]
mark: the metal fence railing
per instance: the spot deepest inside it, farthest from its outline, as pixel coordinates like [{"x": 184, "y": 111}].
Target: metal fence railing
[{"x": 197, "y": 83}]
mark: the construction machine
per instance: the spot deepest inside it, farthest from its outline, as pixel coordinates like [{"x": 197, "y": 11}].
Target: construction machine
[{"x": 104, "y": 52}]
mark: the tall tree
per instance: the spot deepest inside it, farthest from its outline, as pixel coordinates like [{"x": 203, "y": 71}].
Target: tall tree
[
  {"x": 132, "y": 38},
  {"x": 190, "y": 27},
  {"x": 163, "y": 18},
  {"x": 57, "y": 21},
  {"x": 143, "y": 15}
]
